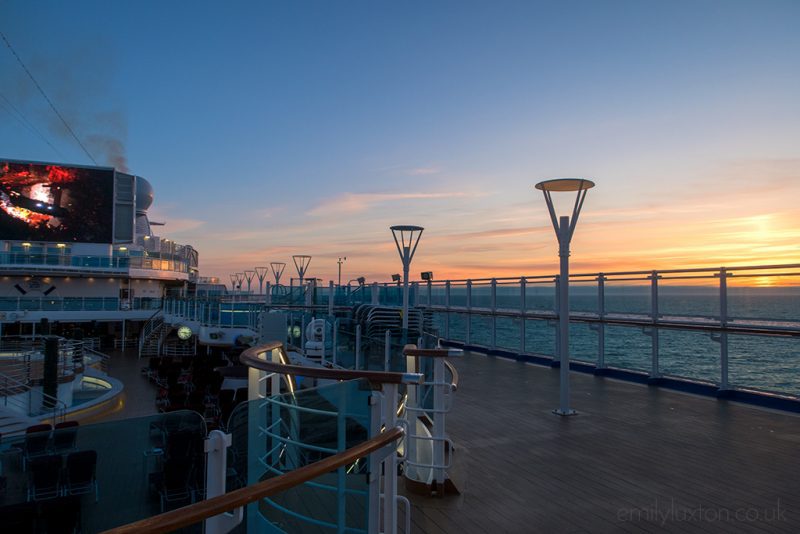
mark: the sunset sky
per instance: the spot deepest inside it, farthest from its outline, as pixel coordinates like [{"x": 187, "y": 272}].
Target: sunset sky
[{"x": 277, "y": 128}]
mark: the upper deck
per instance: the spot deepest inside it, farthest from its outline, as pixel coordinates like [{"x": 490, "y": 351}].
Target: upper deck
[{"x": 635, "y": 459}]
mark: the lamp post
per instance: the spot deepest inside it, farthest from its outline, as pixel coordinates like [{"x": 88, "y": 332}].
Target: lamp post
[
  {"x": 564, "y": 227},
  {"x": 406, "y": 246},
  {"x": 261, "y": 273},
  {"x": 248, "y": 275},
  {"x": 340, "y": 261},
  {"x": 277, "y": 270},
  {"x": 301, "y": 263}
]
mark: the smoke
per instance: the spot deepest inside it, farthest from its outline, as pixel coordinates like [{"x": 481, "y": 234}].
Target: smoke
[{"x": 79, "y": 80}]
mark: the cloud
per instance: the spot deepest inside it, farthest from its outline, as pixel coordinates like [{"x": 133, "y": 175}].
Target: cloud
[
  {"x": 351, "y": 203},
  {"x": 423, "y": 171}
]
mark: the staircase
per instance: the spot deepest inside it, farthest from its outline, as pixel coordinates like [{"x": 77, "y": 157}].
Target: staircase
[
  {"x": 152, "y": 336},
  {"x": 13, "y": 423},
  {"x": 22, "y": 406}
]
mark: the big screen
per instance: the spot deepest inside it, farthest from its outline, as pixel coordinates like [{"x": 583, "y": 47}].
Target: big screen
[{"x": 55, "y": 203}]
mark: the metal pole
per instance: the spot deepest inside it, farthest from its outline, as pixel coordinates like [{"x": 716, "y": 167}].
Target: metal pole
[
  {"x": 387, "y": 348},
  {"x": 406, "y": 267},
  {"x": 601, "y": 327},
  {"x": 563, "y": 316},
  {"x": 654, "y": 367},
  {"x": 723, "y": 321},
  {"x": 358, "y": 347}
]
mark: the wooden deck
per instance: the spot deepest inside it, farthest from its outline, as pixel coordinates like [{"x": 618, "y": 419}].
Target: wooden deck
[{"x": 636, "y": 458}]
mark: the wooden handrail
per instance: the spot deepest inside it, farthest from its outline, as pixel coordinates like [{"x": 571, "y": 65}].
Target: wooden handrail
[
  {"x": 412, "y": 350},
  {"x": 194, "y": 513},
  {"x": 454, "y": 373},
  {"x": 250, "y": 358}
]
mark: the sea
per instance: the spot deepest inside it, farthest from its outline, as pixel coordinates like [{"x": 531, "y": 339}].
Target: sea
[{"x": 767, "y": 363}]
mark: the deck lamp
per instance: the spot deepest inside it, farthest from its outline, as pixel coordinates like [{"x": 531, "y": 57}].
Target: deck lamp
[
  {"x": 564, "y": 227},
  {"x": 301, "y": 263},
  {"x": 261, "y": 273},
  {"x": 427, "y": 275},
  {"x": 406, "y": 237},
  {"x": 248, "y": 275},
  {"x": 340, "y": 261},
  {"x": 277, "y": 270}
]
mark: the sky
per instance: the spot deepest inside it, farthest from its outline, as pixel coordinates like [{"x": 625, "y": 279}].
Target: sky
[{"x": 277, "y": 128}]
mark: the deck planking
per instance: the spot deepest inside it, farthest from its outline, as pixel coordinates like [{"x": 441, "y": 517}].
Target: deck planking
[{"x": 636, "y": 459}]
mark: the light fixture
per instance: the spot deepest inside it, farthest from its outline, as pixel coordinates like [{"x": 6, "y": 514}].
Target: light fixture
[
  {"x": 396, "y": 278},
  {"x": 564, "y": 227},
  {"x": 406, "y": 237},
  {"x": 427, "y": 275},
  {"x": 301, "y": 263}
]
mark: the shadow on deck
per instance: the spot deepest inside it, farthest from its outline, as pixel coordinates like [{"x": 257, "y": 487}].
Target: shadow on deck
[{"x": 635, "y": 459}]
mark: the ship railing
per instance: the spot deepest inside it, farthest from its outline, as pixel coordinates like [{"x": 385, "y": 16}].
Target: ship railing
[
  {"x": 98, "y": 263},
  {"x": 430, "y": 452},
  {"x": 228, "y": 503},
  {"x": 30, "y": 401},
  {"x": 70, "y": 304},
  {"x": 96, "y": 359},
  {"x": 23, "y": 357},
  {"x": 726, "y": 305},
  {"x": 269, "y": 362}
]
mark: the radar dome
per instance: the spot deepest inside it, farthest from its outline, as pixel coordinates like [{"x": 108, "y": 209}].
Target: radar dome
[{"x": 144, "y": 195}]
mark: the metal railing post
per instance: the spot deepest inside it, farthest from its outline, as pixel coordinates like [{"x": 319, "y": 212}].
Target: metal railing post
[
  {"x": 601, "y": 327},
  {"x": 374, "y": 474},
  {"x": 390, "y": 463},
  {"x": 216, "y": 449},
  {"x": 387, "y": 349},
  {"x": 375, "y": 294},
  {"x": 358, "y": 347},
  {"x": 324, "y": 338},
  {"x": 468, "y": 333},
  {"x": 438, "y": 423},
  {"x": 330, "y": 298},
  {"x": 447, "y": 308},
  {"x": 335, "y": 348},
  {"x": 723, "y": 322},
  {"x": 523, "y": 283},
  {"x": 493, "y": 304},
  {"x": 654, "y": 368}
]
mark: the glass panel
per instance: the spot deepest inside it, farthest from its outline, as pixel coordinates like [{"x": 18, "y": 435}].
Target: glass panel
[
  {"x": 583, "y": 297},
  {"x": 628, "y": 348},
  {"x": 691, "y": 355},
  {"x": 480, "y": 330},
  {"x": 766, "y": 363},
  {"x": 278, "y": 434},
  {"x": 763, "y": 303},
  {"x": 625, "y": 298},
  {"x": 508, "y": 333},
  {"x": 95, "y": 477},
  {"x": 583, "y": 343},
  {"x": 540, "y": 337},
  {"x": 508, "y": 296},
  {"x": 540, "y": 297},
  {"x": 677, "y": 300},
  {"x": 458, "y": 326},
  {"x": 458, "y": 295},
  {"x": 481, "y": 295}
]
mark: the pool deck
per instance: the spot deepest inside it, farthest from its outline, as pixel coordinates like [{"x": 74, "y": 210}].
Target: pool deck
[{"x": 635, "y": 459}]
